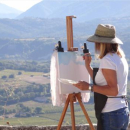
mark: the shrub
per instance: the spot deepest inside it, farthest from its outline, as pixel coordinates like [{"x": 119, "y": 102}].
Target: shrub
[
  {"x": 11, "y": 76},
  {"x": 19, "y": 73},
  {"x": 4, "y": 77},
  {"x": 38, "y": 110}
]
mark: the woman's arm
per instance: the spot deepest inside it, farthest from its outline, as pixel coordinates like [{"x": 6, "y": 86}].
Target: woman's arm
[
  {"x": 90, "y": 71},
  {"x": 88, "y": 59},
  {"x": 110, "y": 89}
]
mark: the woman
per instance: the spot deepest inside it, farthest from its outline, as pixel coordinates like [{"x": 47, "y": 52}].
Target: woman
[{"x": 111, "y": 79}]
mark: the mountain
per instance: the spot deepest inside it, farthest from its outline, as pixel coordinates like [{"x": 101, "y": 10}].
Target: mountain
[
  {"x": 35, "y": 38},
  {"x": 44, "y": 9},
  {"x": 8, "y": 12},
  {"x": 56, "y": 28},
  {"x": 83, "y": 9},
  {"x": 32, "y": 28}
]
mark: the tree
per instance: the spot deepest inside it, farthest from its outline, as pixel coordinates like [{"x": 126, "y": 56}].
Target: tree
[
  {"x": 11, "y": 76},
  {"x": 19, "y": 73},
  {"x": 38, "y": 110},
  {"x": 4, "y": 77},
  {"x": 20, "y": 105}
]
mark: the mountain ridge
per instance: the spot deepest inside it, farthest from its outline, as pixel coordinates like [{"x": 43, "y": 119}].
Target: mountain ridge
[
  {"x": 84, "y": 10},
  {"x": 8, "y": 12}
]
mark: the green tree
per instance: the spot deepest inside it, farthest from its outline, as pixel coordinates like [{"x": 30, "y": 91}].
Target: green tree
[
  {"x": 4, "y": 77},
  {"x": 11, "y": 76},
  {"x": 38, "y": 110},
  {"x": 19, "y": 73}
]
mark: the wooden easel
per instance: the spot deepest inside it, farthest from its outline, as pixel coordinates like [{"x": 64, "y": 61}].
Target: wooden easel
[
  {"x": 71, "y": 99},
  {"x": 74, "y": 96}
]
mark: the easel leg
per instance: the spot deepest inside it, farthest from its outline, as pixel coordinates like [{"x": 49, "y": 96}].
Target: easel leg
[
  {"x": 63, "y": 113},
  {"x": 84, "y": 111},
  {"x": 72, "y": 99}
]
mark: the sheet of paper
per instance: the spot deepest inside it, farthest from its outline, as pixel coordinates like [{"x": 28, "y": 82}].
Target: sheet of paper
[{"x": 71, "y": 67}]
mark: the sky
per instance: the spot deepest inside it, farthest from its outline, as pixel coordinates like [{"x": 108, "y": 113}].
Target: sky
[{"x": 21, "y": 5}]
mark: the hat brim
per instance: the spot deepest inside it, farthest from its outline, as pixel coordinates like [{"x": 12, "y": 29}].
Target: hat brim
[{"x": 98, "y": 39}]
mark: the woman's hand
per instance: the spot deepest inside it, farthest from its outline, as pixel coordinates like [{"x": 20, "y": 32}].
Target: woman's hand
[
  {"x": 82, "y": 85},
  {"x": 87, "y": 57}
]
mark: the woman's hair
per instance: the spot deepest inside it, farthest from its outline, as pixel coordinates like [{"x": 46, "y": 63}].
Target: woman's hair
[{"x": 105, "y": 48}]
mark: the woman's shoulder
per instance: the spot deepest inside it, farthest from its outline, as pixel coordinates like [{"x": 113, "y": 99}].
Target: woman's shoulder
[
  {"x": 107, "y": 57},
  {"x": 111, "y": 57},
  {"x": 109, "y": 60},
  {"x": 107, "y": 63}
]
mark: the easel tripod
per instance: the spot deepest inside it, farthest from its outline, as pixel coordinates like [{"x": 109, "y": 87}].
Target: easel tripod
[
  {"x": 71, "y": 99},
  {"x": 74, "y": 96}
]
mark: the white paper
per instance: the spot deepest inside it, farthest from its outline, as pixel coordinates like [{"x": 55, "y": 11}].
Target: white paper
[{"x": 71, "y": 67}]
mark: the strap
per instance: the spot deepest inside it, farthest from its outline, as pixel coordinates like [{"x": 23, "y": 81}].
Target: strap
[{"x": 123, "y": 96}]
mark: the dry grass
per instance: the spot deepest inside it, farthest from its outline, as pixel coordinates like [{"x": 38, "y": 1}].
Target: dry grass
[
  {"x": 34, "y": 79},
  {"x": 22, "y": 80}
]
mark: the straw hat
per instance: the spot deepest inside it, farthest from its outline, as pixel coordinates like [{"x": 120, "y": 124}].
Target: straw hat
[{"x": 105, "y": 34}]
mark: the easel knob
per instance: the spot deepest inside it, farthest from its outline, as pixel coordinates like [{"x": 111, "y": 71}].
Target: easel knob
[{"x": 59, "y": 47}]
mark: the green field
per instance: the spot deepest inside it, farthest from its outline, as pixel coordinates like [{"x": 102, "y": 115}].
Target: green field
[
  {"x": 49, "y": 115},
  {"x": 50, "y": 119}
]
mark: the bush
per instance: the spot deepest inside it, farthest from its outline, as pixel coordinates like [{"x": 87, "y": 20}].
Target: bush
[
  {"x": 38, "y": 110},
  {"x": 11, "y": 76},
  {"x": 4, "y": 77},
  {"x": 28, "y": 114},
  {"x": 19, "y": 73}
]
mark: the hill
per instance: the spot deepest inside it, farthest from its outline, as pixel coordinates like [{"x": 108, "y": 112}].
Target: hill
[
  {"x": 35, "y": 38},
  {"x": 53, "y": 28},
  {"x": 8, "y": 12},
  {"x": 83, "y": 9}
]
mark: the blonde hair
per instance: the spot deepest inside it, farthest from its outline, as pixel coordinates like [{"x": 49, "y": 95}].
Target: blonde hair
[{"x": 104, "y": 48}]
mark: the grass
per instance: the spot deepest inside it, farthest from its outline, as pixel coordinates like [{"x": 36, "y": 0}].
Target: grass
[
  {"x": 7, "y": 72},
  {"x": 30, "y": 104},
  {"x": 13, "y": 83},
  {"x": 22, "y": 80},
  {"x": 51, "y": 115},
  {"x": 50, "y": 119},
  {"x": 29, "y": 121}
]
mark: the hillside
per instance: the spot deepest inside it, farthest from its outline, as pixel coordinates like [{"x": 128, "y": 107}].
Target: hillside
[
  {"x": 30, "y": 27},
  {"x": 40, "y": 27},
  {"x": 8, "y": 12},
  {"x": 35, "y": 38},
  {"x": 83, "y": 9}
]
